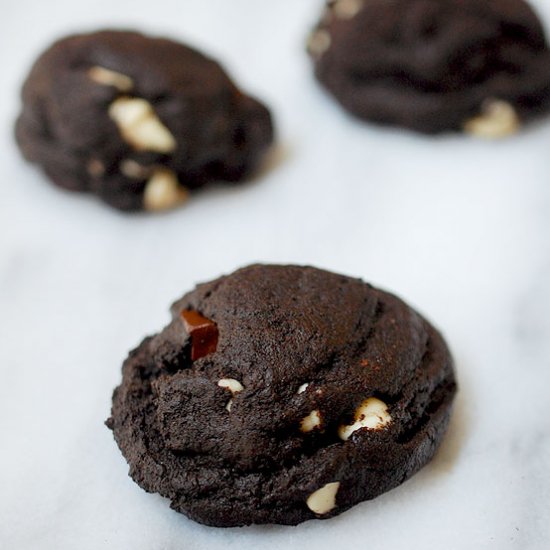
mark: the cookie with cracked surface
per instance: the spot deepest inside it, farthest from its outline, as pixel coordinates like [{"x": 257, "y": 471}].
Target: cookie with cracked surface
[
  {"x": 138, "y": 121},
  {"x": 279, "y": 394},
  {"x": 479, "y": 66}
]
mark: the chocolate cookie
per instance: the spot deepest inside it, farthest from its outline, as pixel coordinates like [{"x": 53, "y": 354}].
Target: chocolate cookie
[
  {"x": 482, "y": 66},
  {"x": 279, "y": 394},
  {"x": 138, "y": 121}
]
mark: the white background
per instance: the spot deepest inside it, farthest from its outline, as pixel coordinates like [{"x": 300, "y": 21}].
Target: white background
[{"x": 458, "y": 227}]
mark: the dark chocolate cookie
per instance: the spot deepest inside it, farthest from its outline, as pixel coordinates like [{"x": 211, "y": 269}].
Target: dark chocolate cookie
[
  {"x": 138, "y": 121},
  {"x": 482, "y": 66},
  {"x": 280, "y": 394}
]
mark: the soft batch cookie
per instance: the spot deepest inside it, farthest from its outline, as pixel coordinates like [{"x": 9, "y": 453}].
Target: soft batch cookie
[
  {"x": 481, "y": 66},
  {"x": 279, "y": 394},
  {"x": 136, "y": 120}
]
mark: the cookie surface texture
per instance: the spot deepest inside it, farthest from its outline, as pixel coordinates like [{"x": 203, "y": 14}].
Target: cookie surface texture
[
  {"x": 480, "y": 66},
  {"x": 139, "y": 121},
  {"x": 310, "y": 393}
]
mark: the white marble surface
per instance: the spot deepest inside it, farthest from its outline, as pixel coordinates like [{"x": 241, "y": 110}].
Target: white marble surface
[{"x": 459, "y": 228}]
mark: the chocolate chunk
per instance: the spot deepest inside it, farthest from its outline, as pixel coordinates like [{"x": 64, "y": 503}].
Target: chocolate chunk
[{"x": 203, "y": 332}]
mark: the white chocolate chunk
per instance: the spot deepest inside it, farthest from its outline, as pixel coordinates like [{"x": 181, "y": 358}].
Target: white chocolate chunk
[
  {"x": 163, "y": 191},
  {"x": 140, "y": 126},
  {"x": 311, "y": 421},
  {"x": 303, "y": 388},
  {"x": 234, "y": 386},
  {"x": 323, "y": 500},
  {"x": 347, "y": 9},
  {"x": 497, "y": 120},
  {"x": 371, "y": 414},
  {"x": 319, "y": 42},
  {"x": 106, "y": 77}
]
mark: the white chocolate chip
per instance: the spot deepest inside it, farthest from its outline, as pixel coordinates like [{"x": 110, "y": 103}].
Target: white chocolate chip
[
  {"x": 371, "y": 414},
  {"x": 163, "y": 191},
  {"x": 311, "y": 421},
  {"x": 319, "y": 42},
  {"x": 347, "y": 9},
  {"x": 323, "y": 500},
  {"x": 303, "y": 388},
  {"x": 140, "y": 126},
  {"x": 106, "y": 77},
  {"x": 498, "y": 119},
  {"x": 234, "y": 386},
  {"x": 132, "y": 169},
  {"x": 95, "y": 168}
]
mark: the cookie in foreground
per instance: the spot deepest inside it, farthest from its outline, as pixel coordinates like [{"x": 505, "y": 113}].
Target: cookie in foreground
[
  {"x": 479, "y": 66},
  {"x": 279, "y": 394},
  {"x": 139, "y": 121}
]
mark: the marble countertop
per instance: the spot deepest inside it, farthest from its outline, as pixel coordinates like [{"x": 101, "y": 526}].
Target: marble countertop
[{"x": 457, "y": 227}]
